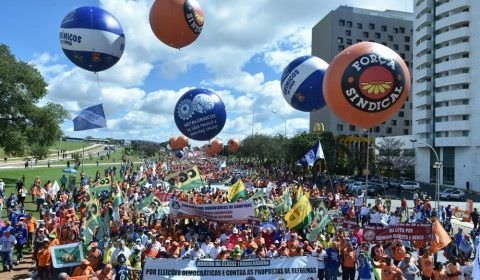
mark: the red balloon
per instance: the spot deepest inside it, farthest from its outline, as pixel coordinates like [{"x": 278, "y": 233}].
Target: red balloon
[
  {"x": 217, "y": 146},
  {"x": 233, "y": 145},
  {"x": 209, "y": 150},
  {"x": 182, "y": 142},
  {"x": 173, "y": 142},
  {"x": 366, "y": 84},
  {"x": 176, "y": 23}
]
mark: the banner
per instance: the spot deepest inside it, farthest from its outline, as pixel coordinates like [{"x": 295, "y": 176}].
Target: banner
[
  {"x": 407, "y": 232},
  {"x": 225, "y": 212},
  {"x": 67, "y": 255},
  {"x": 163, "y": 196},
  {"x": 185, "y": 179},
  {"x": 297, "y": 268}
]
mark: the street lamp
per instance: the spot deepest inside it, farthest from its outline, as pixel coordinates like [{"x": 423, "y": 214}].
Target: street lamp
[
  {"x": 284, "y": 122},
  {"x": 437, "y": 165}
]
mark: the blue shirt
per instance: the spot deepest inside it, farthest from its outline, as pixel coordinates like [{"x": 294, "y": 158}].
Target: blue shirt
[{"x": 333, "y": 257}]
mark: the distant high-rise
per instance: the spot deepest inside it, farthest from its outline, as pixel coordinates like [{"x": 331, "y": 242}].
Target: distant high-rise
[
  {"x": 444, "y": 85},
  {"x": 346, "y": 26}
]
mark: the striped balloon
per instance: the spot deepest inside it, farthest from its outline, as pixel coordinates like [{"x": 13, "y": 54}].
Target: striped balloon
[
  {"x": 302, "y": 83},
  {"x": 92, "y": 38}
]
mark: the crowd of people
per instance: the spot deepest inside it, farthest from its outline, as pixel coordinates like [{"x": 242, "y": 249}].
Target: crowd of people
[{"x": 130, "y": 231}]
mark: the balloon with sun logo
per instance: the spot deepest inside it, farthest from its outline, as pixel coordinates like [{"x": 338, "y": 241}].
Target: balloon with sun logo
[
  {"x": 200, "y": 114},
  {"x": 92, "y": 38},
  {"x": 302, "y": 83},
  {"x": 366, "y": 84}
]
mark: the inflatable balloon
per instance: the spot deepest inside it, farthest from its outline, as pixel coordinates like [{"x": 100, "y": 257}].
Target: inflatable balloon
[
  {"x": 366, "y": 84},
  {"x": 217, "y": 146},
  {"x": 209, "y": 150},
  {"x": 92, "y": 38},
  {"x": 181, "y": 142},
  {"x": 200, "y": 114},
  {"x": 302, "y": 83},
  {"x": 233, "y": 145},
  {"x": 176, "y": 23},
  {"x": 173, "y": 142},
  {"x": 179, "y": 153}
]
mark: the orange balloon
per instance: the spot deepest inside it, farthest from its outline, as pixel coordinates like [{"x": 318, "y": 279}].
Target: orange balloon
[
  {"x": 366, "y": 84},
  {"x": 209, "y": 150},
  {"x": 217, "y": 146},
  {"x": 176, "y": 23},
  {"x": 233, "y": 145},
  {"x": 173, "y": 142},
  {"x": 182, "y": 142}
]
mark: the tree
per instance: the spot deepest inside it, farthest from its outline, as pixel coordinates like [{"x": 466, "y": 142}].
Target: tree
[
  {"x": 25, "y": 127},
  {"x": 390, "y": 160}
]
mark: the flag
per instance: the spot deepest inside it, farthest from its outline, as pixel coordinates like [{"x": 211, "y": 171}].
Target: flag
[
  {"x": 259, "y": 194},
  {"x": 441, "y": 238},
  {"x": 313, "y": 154},
  {"x": 89, "y": 118},
  {"x": 326, "y": 220},
  {"x": 299, "y": 193},
  {"x": 151, "y": 198},
  {"x": 301, "y": 215},
  {"x": 55, "y": 187},
  {"x": 237, "y": 191}
]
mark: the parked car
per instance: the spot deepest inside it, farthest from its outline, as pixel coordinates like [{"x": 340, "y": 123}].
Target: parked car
[
  {"x": 374, "y": 189},
  {"x": 410, "y": 185},
  {"x": 445, "y": 194},
  {"x": 355, "y": 187},
  {"x": 457, "y": 195}
]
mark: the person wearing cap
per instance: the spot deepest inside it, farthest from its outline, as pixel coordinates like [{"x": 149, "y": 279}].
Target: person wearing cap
[
  {"x": 20, "y": 233},
  {"x": 108, "y": 253},
  {"x": 321, "y": 255},
  {"x": 410, "y": 270},
  {"x": 44, "y": 260},
  {"x": 332, "y": 262},
  {"x": 7, "y": 241},
  {"x": 120, "y": 249},
  {"x": 31, "y": 223},
  {"x": 94, "y": 256},
  {"x": 84, "y": 269}
]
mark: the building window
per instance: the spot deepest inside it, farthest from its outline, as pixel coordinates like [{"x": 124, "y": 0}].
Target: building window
[
  {"x": 465, "y": 117},
  {"x": 348, "y": 41},
  {"x": 377, "y": 129},
  {"x": 402, "y": 29},
  {"x": 390, "y": 38},
  {"x": 341, "y": 48},
  {"x": 448, "y": 165},
  {"x": 339, "y": 127},
  {"x": 395, "y": 46},
  {"x": 395, "y": 30},
  {"x": 365, "y": 34},
  {"x": 371, "y": 26},
  {"x": 339, "y": 40},
  {"x": 405, "y": 132},
  {"x": 384, "y": 28},
  {"x": 465, "y": 133},
  {"x": 349, "y": 24},
  {"x": 407, "y": 47},
  {"x": 359, "y": 25},
  {"x": 389, "y": 130},
  {"x": 406, "y": 122},
  {"x": 341, "y": 22},
  {"x": 351, "y": 128},
  {"x": 348, "y": 33},
  {"x": 401, "y": 114},
  {"x": 407, "y": 39},
  {"x": 377, "y": 35},
  {"x": 394, "y": 122}
]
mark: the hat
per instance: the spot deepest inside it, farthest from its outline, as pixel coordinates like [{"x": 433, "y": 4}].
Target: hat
[
  {"x": 234, "y": 230},
  {"x": 276, "y": 242}
]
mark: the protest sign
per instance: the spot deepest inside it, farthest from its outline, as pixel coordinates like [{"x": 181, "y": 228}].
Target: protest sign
[
  {"x": 185, "y": 179},
  {"x": 67, "y": 255},
  {"x": 406, "y": 232},
  {"x": 281, "y": 268},
  {"x": 225, "y": 212}
]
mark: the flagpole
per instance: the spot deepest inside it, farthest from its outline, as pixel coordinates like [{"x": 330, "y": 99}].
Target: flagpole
[{"x": 317, "y": 129}]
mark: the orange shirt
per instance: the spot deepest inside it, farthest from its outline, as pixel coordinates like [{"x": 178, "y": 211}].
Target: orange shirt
[
  {"x": 349, "y": 258},
  {"x": 79, "y": 271},
  {"x": 31, "y": 224},
  {"x": 426, "y": 264},
  {"x": 44, "y": 258}
]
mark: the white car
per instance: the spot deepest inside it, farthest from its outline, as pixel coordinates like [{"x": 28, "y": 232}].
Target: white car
[
  {"x": 410, "y": 185},
  {"x": 457, "y": 195},
  {"x": 445, "y": 194}
]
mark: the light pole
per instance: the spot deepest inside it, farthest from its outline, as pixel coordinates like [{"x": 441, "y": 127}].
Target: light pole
[
  {"x": 284, "y": 122},
  {"x": 437, "y": 165}
]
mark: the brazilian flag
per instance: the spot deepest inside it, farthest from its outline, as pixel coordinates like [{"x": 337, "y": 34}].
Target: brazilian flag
[
  {"x": 237, "y": 191},
  {"x": 301, "y": 215}
]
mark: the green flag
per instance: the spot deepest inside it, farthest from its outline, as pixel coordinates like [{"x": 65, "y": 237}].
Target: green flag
[
  {"x": 301, "y": 214},
  {"x": 237, "y": 191}
]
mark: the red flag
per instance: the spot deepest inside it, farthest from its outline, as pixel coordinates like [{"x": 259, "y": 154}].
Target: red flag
[{"x": 440, "y": 237}]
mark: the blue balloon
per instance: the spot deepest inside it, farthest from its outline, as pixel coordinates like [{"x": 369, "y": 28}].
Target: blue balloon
[
  {"x": 302, "y": 83},
  {"x": 92, "y": 38},
  {"x": 179, "y": 153},
  {"x": 200, "y": 114}
]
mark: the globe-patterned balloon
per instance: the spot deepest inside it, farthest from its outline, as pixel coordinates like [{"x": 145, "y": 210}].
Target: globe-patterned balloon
[
  {"x": 302, "y": 83},
  {"x": 92, "y": 38},
  {"x": 200, "y": 114}
]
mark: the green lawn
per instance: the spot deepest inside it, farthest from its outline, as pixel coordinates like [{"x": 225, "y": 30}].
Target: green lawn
[{"x": 68, "y": 146}]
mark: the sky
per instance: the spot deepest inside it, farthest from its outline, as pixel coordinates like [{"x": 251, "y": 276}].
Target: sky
[{"x": 240, "y": 54}]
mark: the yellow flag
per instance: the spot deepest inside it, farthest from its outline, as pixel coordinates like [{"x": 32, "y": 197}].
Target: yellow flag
[
  {"x": 301, "y": 214},
  {"x": 236, "y": 191}
]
